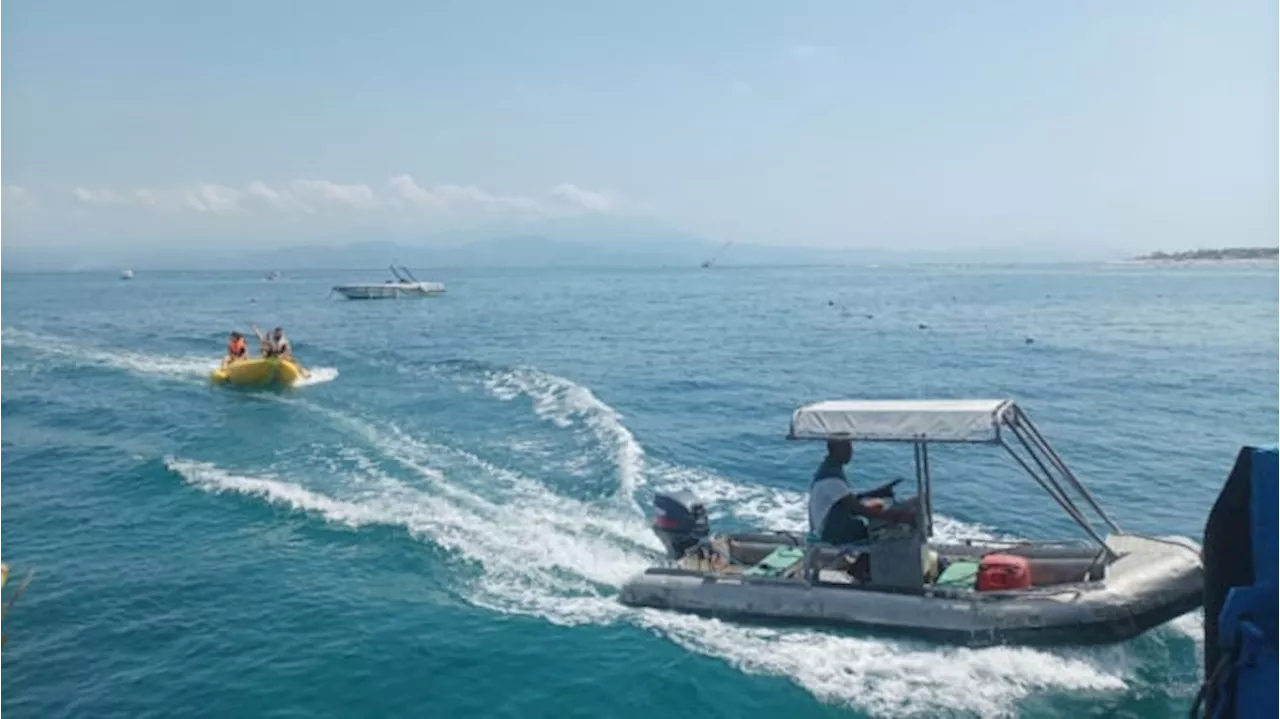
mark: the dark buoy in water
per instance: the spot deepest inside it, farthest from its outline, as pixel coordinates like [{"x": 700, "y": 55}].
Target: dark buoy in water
[
  {"x": 922, "y": 326},
  {"x": 1030, "y": 340},
  {"x": 870, "y": 316},
  {"x": 831, "y": 303}
]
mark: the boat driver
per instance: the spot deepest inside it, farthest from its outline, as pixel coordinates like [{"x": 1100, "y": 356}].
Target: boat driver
[{"x": 837, "y": 515}]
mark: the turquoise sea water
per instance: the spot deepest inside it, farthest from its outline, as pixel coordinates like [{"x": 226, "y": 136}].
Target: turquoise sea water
[{"x": 438, "y": 526}]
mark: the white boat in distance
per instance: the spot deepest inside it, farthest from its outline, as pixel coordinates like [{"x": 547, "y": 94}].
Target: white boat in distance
[
  {"x": 126, "y": 274},
  {"x": 404, "y": 286}
]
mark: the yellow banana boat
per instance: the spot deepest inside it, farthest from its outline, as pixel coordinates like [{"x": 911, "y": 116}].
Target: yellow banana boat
[{"x": 258, "y": 372}]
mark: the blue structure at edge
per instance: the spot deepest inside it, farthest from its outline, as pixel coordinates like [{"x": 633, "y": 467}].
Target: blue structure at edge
[{"x": 1241, "y": 665}]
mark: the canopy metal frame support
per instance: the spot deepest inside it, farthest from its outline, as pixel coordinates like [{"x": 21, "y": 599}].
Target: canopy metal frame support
[
  {"x": 924, "y": 486},
  {"x": 1024, "y": 423},
  {"x": 1049, "y": 471}
]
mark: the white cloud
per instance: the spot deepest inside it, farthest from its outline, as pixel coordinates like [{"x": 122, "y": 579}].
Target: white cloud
[
  {"x": 360, "y": 197},
  {"x": 259, "y": 191},
  {"x": 202, "y": 198},
  {"x": 100, "y": 198},
  {"x": 213, "y": 198},
  {"x": 16, "y": 196},
  {"x": 405, "y": 190},
  {"x": 458, "y": 194},
  {"x": 151, "y": 198},
  {"x": 588, "y": 200},
  {"x": 258, "y": 194},
  {"x": 401, "y": 193}
]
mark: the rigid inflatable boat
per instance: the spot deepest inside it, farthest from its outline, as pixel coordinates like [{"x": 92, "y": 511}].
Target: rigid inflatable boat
[
  {"x": 258, "y": 372},
  {"x": 1107, "y": 588}
]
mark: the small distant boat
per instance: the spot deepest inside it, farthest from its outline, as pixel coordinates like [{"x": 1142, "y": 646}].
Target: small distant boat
[
  {"x": 126, "y": 274},
  {"x": 258, "y": 372},
  {"x": 708, "y": 263},
  {"x": 404, "y": 286},
  {"x": 273, "y": 275}
]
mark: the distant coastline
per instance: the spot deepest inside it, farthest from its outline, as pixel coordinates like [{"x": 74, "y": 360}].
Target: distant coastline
[{"x": 1224, "y": 254}]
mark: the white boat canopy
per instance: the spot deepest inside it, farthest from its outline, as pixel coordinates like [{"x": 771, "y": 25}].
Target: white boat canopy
[
  {"x": 946, "y": 420},
  {"x": 975, "y": 421}
]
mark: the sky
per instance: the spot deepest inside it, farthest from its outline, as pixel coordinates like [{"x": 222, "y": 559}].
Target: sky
[{"x": 1107, "y": 127}]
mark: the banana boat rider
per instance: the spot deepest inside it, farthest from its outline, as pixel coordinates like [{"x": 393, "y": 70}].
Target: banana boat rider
[
  {"x": 276, "y": 344},
  {"x": 237, "y": 349}
]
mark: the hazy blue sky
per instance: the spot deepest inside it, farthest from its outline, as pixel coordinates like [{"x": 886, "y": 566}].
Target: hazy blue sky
[{"x": 1103, "y": 124}]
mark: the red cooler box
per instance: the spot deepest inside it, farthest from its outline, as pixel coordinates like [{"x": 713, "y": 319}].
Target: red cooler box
[{"x": 999, "y": 572}]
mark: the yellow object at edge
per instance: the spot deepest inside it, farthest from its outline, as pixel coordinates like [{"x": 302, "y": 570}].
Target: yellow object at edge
[{"x": 260, "y": 372}]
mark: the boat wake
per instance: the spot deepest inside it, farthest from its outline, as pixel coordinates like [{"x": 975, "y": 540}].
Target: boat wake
[
  {"x": 525, "y": 545},
  {"x": 176, "y": 367},
  {"x": 58, "y": 349},
  {"x": 317, "y": 375}
]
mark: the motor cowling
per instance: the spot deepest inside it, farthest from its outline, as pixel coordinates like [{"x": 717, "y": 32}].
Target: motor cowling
[{"x": 680, "y": 521}]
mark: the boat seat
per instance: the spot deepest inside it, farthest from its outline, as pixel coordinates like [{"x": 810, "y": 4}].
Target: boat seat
[{"x": 891, "y": 558}]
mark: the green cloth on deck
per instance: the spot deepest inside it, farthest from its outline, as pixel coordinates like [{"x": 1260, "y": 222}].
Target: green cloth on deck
[
  {"x": 958, "y": 575},
  {"x": 778, "y": 561}
]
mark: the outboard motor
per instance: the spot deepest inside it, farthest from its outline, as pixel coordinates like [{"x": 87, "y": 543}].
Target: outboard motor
[{"x": 680, "y": 522}]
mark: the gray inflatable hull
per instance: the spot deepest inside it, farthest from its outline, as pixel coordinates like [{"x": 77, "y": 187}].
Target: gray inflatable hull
[{"x": 1153, "y": 581}]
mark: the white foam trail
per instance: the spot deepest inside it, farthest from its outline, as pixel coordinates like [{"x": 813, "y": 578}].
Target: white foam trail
[
  {"x": 764, "y": 507},
  {"x": 885, "y": 678},
  {"x": 212, "y": 479},
  {"x": 1190, "y": 625},
  {"x": 522, "y": 547},
  {"x": 560, "y": 559},
  {"x": 317, "y": 375},
  {"x": 534, "y": 561},
  {"x": 568, "y": 404},
  {"x": 188, "y": 366},
  {"x": 420, "y": 457},
  {"x": 176, "y": 366}
]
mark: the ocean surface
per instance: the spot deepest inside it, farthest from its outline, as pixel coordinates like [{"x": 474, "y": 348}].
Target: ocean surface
[{"x": 438, "y": 524}]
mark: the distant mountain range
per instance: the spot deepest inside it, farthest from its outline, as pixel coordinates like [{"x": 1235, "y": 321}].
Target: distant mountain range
[
  {"x": 541, "y": 251},
  {"x": 592, "y": 241},
  {"x": 573, "y": 242}
]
